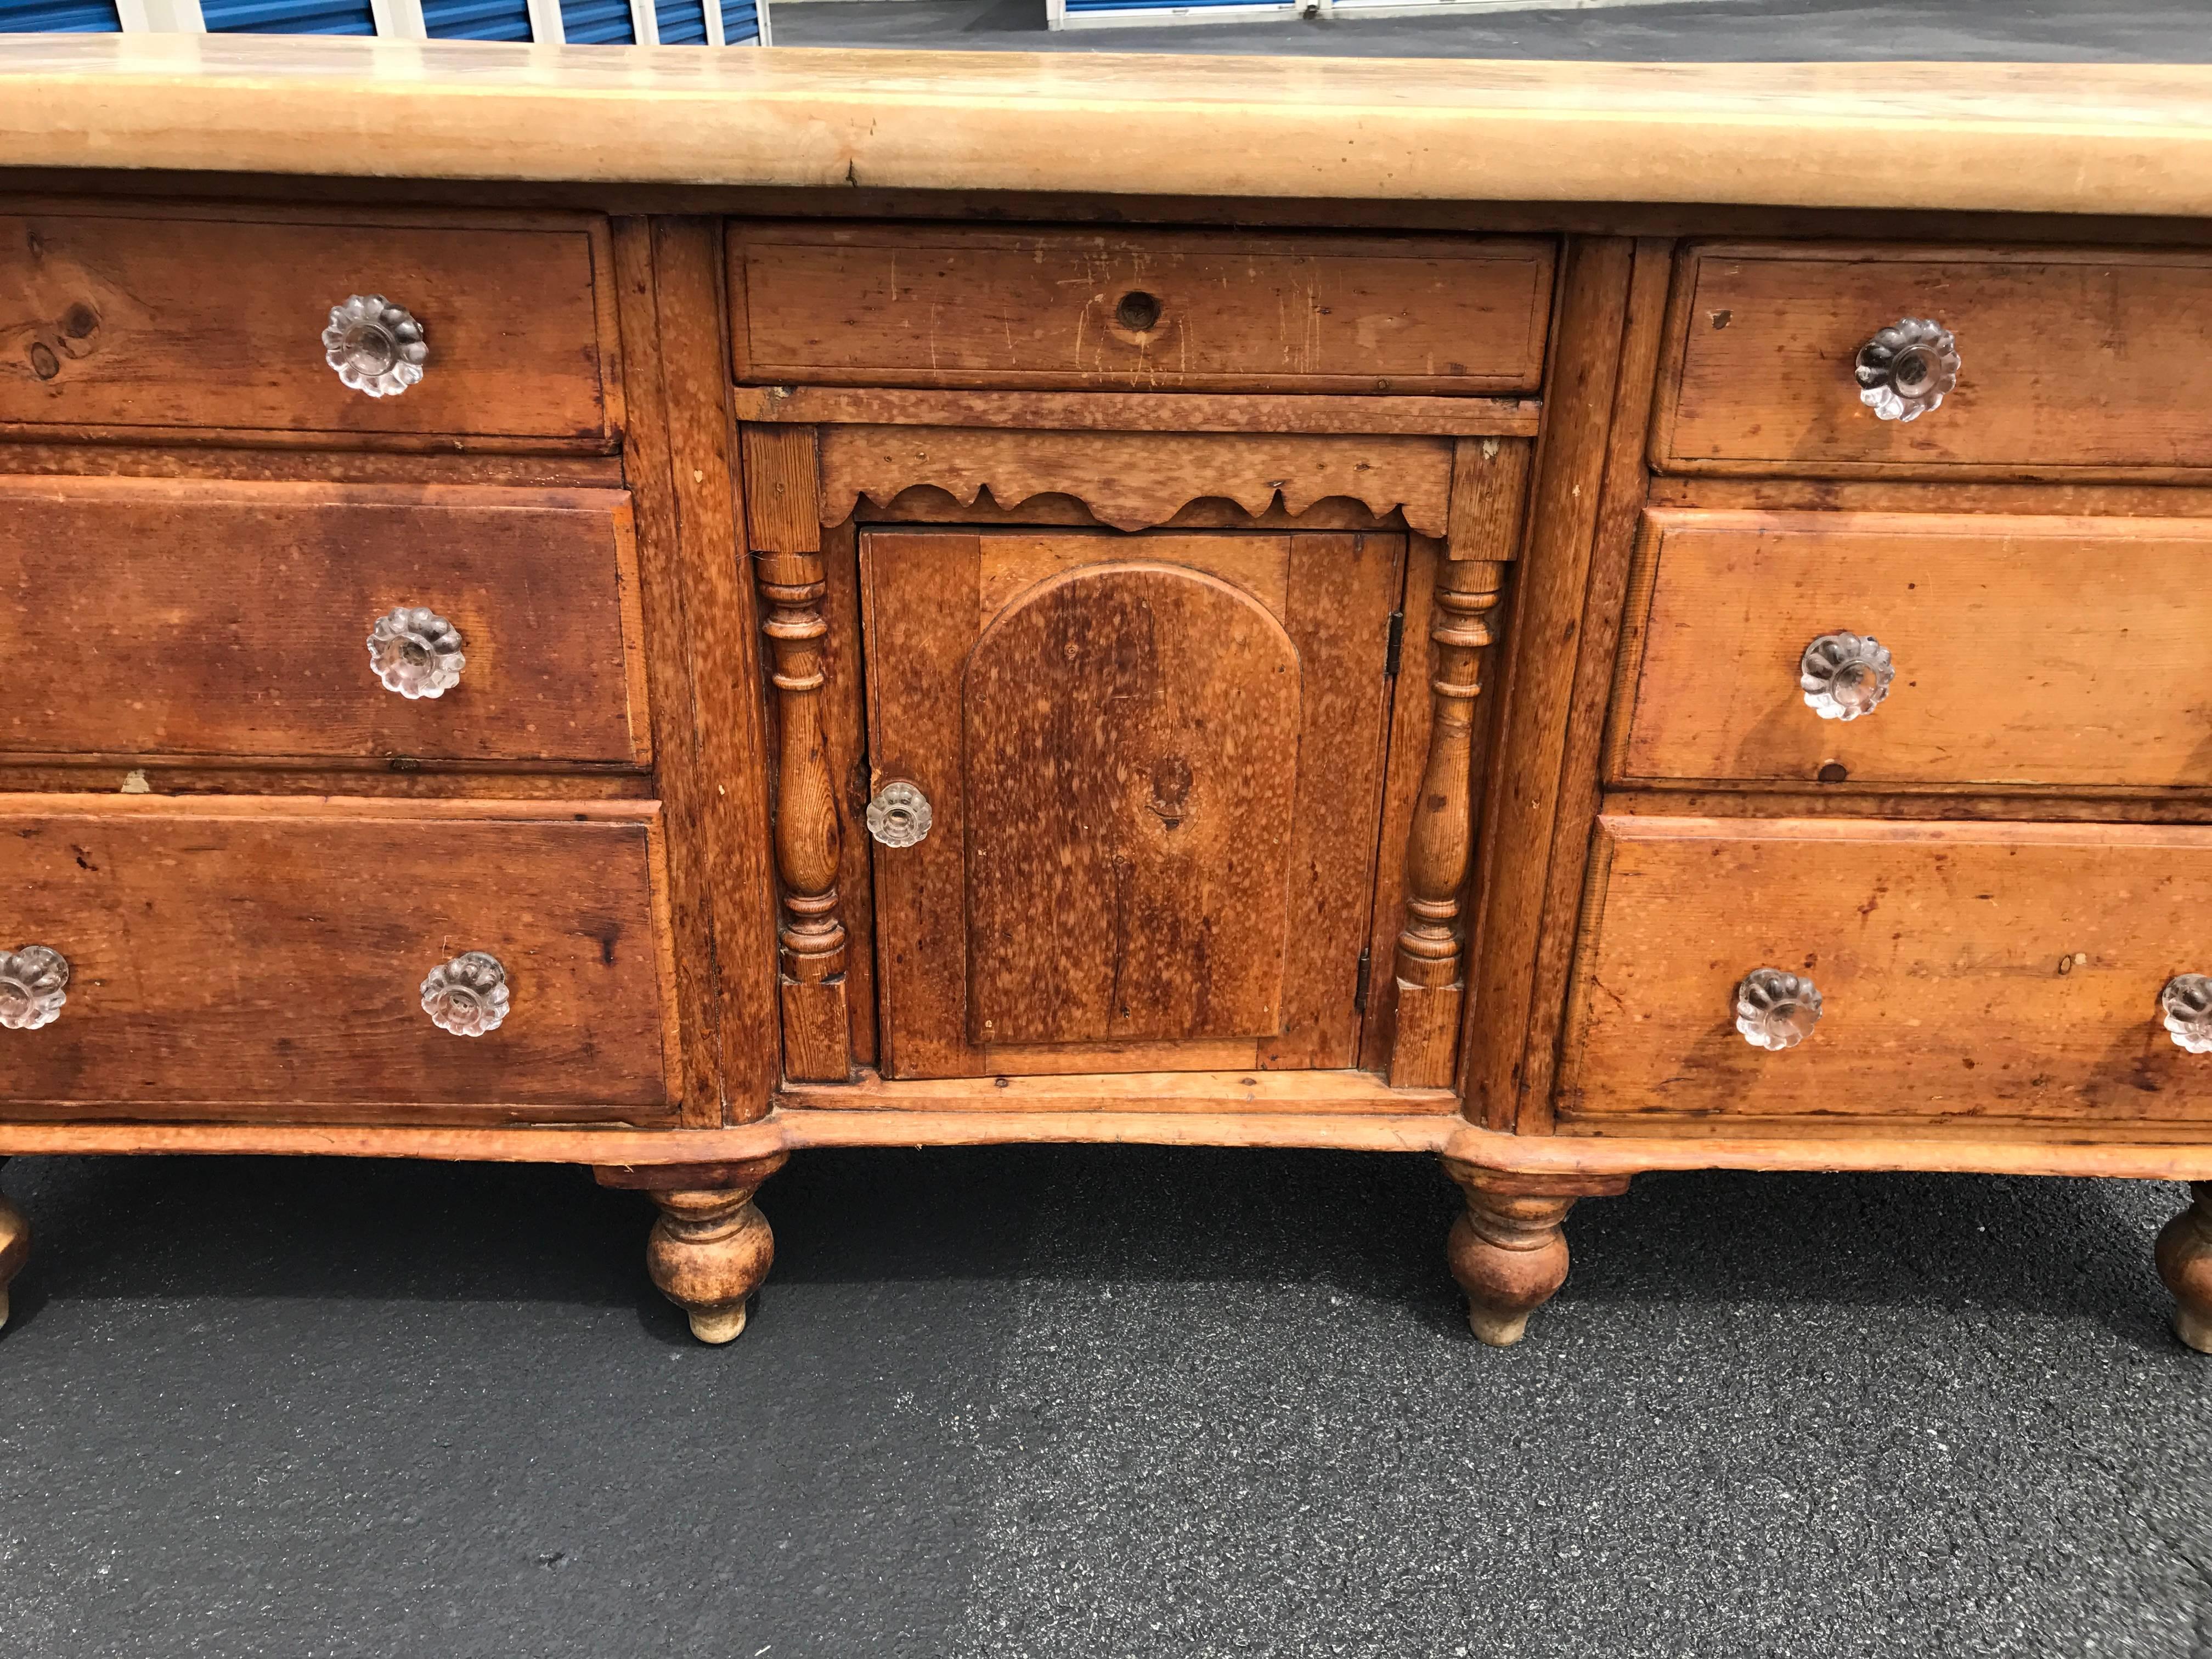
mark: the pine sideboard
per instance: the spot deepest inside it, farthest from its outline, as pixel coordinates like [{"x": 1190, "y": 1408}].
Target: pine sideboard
[{"x": 662, "y": 611}]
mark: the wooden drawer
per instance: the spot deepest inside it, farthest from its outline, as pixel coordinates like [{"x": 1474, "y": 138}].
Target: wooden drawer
[
  {"x": 135, "y": 324},
  {"x": 1994, "y": 969},
  {"x": 2068, "y": 360},
  {"x": 265, "y": 959},
  {"x": 876, "y": 306},
  {"x": 2064, "y": 653},
  {"x": 234, "y": 619}
]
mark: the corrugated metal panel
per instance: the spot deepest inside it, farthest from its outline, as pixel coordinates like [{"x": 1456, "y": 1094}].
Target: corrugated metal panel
[
  {"x": 683, "y": 23},
  {"x": 597, "y": 22},
  {"x": 740, "y": 22},
  {"x": 477, "y": 19},
  {"x": 59, "y": 17},
  {"x": 287, "y": 16}
]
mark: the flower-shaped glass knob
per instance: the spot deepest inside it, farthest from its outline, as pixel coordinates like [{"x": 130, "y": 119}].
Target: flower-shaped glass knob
[
  {"x": 899, "y": 815},
  {"x": 466, "y": 996},
  {"x": 416, "y": 652},
  {"x": 1905, "y": 369},
  {"x": 1776, "y": 1010},
  {"x": 375, "y": 346},
  {"x": 1845, "y": 676},
  {"x": 2186, "y": 1002},
  {"x": 33, "y": 985}
]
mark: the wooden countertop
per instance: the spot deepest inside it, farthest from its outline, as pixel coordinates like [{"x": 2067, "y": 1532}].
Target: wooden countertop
[{"x": 2026, "y": 138}]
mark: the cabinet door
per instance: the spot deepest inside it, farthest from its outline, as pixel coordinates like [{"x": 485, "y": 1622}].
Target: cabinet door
[{"x": 1153, "y": 765}]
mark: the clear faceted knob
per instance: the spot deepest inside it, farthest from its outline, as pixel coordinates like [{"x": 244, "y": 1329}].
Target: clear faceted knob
[
  {"x": 1776, "y": 1010},
  {"x": 1845, "y": 676},
  {"x": 899, "y": 815},
  {"x": 376, "y": 347},
  {"x": 1905, "y": 370},
  {"x": 33, "y": 985},
  {"x": 468, "y": 995},
  {"x": 2186, "y": 1002},
  {"x": 416, "y": 652}
]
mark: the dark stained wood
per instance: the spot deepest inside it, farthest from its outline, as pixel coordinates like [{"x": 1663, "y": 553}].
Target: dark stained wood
[
  {"x": 400, "y": 778},
  {"x": 704, "y": 658},
  {"x": 1537, "y": 682},
  {"x": 231, "y": 620},
  {"x": 1137, "y": 480},
  {"x": 783, "y": 490},
  {"x": 2011, "y": 970},
  {"x": 14, "y": 1247},
  {"x": 1920, "y": 495},
  {"x": 710, "y": 1247},
  {"x": 1327, "y": 414},
  {"x": 845, "y": 755},
  {"x": 2185, "y": 1263},
  {"x": 198, "y": 455},
  {"x": 263, "y": 959},
  {"x": 1507, "y": 1249},
  {"x": 1148, "y": 310},
  {"x": 1405, "y": 760},
  {"x": 1933, "y": 801},
  {"x": 926, "y": 504},
  {"x": 2050, "y": 652},
  {"x": 119, "y": 321},
  {"x": 1215, "y": 623},
  {"x": 2070, "y": 358}
]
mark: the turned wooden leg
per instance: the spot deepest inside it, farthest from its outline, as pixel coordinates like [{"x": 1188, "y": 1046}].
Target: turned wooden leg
[
  {"x": 15, "y": 1249},
  {"x": 1507, "y": 1249},
  {"x": 710, "y": 1247},
  {"x": 2185, "y": 1263}
]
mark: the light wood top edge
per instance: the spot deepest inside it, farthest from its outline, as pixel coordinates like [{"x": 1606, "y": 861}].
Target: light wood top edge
[{"x": 2100, "y": 139}]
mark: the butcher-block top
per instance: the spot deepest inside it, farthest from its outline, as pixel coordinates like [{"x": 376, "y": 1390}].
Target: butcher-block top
[{"x": 2065, "y": 139}]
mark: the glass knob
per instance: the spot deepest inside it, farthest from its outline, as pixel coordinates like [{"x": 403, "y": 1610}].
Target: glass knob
[
  {"x": 2186, "y": 1002},
  {"x": 1905, "y": 370},
  {"x": 1845, "y": 676},
  {"x": 899, "y": 815},
  {"x": 1776, "y": 1010},
  {"x": 376, "y": 347},
  {"x": 33, "y": 985},
  {"x": 416, "y": 652},
  {"x": 466, "y": 996}
]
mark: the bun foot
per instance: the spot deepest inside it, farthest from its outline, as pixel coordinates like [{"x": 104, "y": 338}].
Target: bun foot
[
  {"x": 1507, "y": 1249},
  {"x": 2185, "y": 1263},
  {"x": 15, "y": 1249},
  {"x": 710, "y": 1246}
]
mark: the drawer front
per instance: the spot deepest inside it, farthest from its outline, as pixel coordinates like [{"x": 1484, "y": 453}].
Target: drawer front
[
  {"x": 2007, "y": 971},
  {"x": 250, "y": 959},
  {"x": 2067, "y": 653},
  {"x": 872, "y": 306},
  {"x": 141, "y": 324},
  {"x": 236, "y": 620},
  {"x": 2067, "y": 360}
]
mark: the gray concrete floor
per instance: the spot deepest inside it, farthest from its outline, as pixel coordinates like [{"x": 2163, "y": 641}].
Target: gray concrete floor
[
  {"x": 1084, "y": 1402},
  {"x": 1757, "y": 31}
]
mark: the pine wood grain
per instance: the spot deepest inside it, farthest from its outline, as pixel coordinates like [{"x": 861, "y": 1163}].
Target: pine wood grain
[
  {"x": 195, "y": 319},
  {"x": 2070, "y": 359},
  {"x": 2012, "y": 970},
  {"x": 265, "y": 959},
  {"x": 2044, "y": 652},
  {"x": 1135, "y": 480},
  {"x": 1333, "y": 415},
  {"x": 1140, "y": 309},
  {"x": 231, "y": 620}
]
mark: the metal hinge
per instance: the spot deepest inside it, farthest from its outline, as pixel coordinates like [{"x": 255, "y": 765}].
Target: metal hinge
[
  {"x": 1366, "y": 972},
  {"x": 1397, "y": 644}
]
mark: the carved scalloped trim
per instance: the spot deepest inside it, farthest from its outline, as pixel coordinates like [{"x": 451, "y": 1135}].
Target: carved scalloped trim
[{"x": 1134, "y": 480}]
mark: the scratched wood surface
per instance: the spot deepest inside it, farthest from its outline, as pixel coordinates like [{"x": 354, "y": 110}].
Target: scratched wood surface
[
  {"x": 1108, "y": 880},
  {"x": 877, "y": 305},
  {"x": 2009, "y": 970},
  {"x": 186, "y": 320},
  {"x": 2066, "y": 653},
  {"x": 265, "y": 959},
  {"x": 192, "y": 618},
  {"x": 2069, "y": 358}
]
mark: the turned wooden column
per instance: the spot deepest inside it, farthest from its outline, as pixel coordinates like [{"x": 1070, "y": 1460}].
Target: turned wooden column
[
  {"x": 2185, "y": 1263},
  {"x": 710, "y": 1247},
  {"x": 15, "y": 1247},
  {"x": 1490, "y": 479},
  {"x": 1508, "y": 1249},
  {"x": 782, "y": 497}
]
